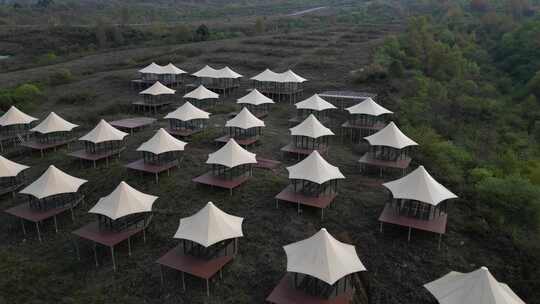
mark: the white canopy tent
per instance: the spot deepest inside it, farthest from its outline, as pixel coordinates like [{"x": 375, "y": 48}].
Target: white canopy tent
[
  {"x": 14, "y": 116},
  {"x": 53, "y": 123},
  {"x": 245, "y": 120},
  {"x": 158, "y": 89},
  {"x": 162, "y": 142},
  {"x": 255, "y": 98},
  {"x": 171, "y": 69},
  {"x": 207, "y": 72},
  {"x": 226, "y": 72},
  {"x": 266, "y": 76},
  {"x": 201, "y": 93},
  {"x": 188, "y": 112},
  {"x": 209, "y": 226},
  {"x": 368, "y": 107},
  {"x": 477, "y": 287},
  {"x": 10, "y": 168},
  {"x": 314, "y": 103},
  {"x": 323, "y": 257},
  {"x": 291, "y": 77},
  {"x": 231, "y": 155},
  {"x": 316, "y": 169},
  {"x": 123, "y": 201},
  {"x": 311, "y": 127},
  {"x": 104, "y": 132},
  {"x": 152, "y": 68},
  {"x": 390, "y": 136},
  {"x": 53, "y": 182},
  {"x": 419, "y": 185}
]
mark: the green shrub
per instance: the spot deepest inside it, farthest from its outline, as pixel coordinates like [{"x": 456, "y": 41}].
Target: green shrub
[{"x": 61, "y": 76}]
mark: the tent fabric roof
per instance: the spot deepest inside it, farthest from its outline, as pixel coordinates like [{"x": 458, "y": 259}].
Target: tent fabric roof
[
  {"x": 53, "y": 182},
  {"x": 207, "y": 72},
  {"x": 244, "y": 120},
  {"x": 368, "y": 107},
  {"x": 390, "y": 136},
  {"x": 157, "y": 89},
  {"x": 314, "y": 168},
  {"x": 14, "y": 116},
  {"x": 104, "y": 132},
  {"x": 201, "y": 93},
  {"x": 171, "y": 69},
  {"x": 188, "y": 112},
  {"x": 54, "y": 123},
  {"x": 152, "y": 68},
  {"x": 162, "y": 142},
  {"x": 311, "y": 127},
  {"x": 419, "y": 185},
  {"x": 315, "y": 103},
  {"x": 226, "y": 72},
  {"x": 10, "y": 168},
  {"x": 124, "y": 200},
  {"x": 323, "y": 257},
  {"x": 255, "y": 98},
  {"x": 477, "y": 287},
  {"x": 266, "y": 75},
  {"x": 209, "y": 226},
  {"x": 290, "y": 76},
  {"x": 231, "y": 155}
]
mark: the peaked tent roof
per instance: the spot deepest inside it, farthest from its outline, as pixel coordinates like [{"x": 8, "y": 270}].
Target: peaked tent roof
[
  {"x": 104, "y": 132},
  {"x": 54, "y": 123},
  {"x": 207, "y": 72},
  {"x": 311, "y": 127},
  {"x": 226, "y": 72},
  {"x": 188, "y": 112},
  {"x": 231, "y": 155},
  {"x": 162, "y": 142},
  {"x": 209, "y": 225},
  {"x": 201, "y": 93},
  {"x": 368, "y": 107},
  {"x": 171, "y": 69},
  {"x": 314, "y": 168},
  {"x": 53, "y": 182},
  {"x": 157, "y": 89},
  {"x": 10, "y": 168},
  {"x": 315, "y": 103},
  {"x": 390, "y": 136},
  {"x": 419, "y": 185},
  {"x": 244, "y": 120},
  {"x": 290, "y": 76},
  {"x": 477, "y": 287},
  {"x": 124, "y": 200},
  {"x": 14, "y": 116},
  {"x": 255, "y": 98},
  {"x": 152, "y": 68},
  {"x": 323, "y": 257},
  {"x": 267, "y": 75}
]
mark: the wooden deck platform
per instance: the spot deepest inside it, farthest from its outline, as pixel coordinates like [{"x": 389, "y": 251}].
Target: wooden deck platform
[
  {"x": 265, "y": 163},
  {"x": 437, "y": 225},
  {"x": 285, "y": 293},
  {"x": 242, "y": 142},
  {"x": 291, "y": 149},
  {"x": 210, "y": 180},
  {"x": 183, "y": 132},
  {"x": 41, "y": 147},
  {"x": 289, "y": 195},
  {"x": 132, "y": 124},
  {"x": 401, "y": 164},
  {"x": 201, "y": 268},
  {"x": 94, "y": 157},
  {"x": 141, "y": 166},
  {"x": 108, "y": 238},
  {"x": 25, "y": 213}
]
